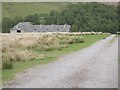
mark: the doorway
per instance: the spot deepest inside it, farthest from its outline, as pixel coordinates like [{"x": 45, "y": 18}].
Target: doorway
[{"x": 18, "y": 31}]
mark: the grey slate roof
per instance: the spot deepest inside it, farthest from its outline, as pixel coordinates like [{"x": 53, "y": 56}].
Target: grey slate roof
[
  {"x": 28, "y": 27},
  {"x": 22, "y": 25}
]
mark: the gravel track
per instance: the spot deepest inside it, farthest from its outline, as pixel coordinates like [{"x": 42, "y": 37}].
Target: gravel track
[{"x": 92, "y": 67}]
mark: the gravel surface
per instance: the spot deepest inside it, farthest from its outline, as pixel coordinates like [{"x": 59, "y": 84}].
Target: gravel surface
[
  {"x": 119, "y": 61},
  {"x": 92, "y": 67}
]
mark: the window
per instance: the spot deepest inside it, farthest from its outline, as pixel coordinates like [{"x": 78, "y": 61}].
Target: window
[
  {"x": 57, "y": 29},
  {"x": 34, "y": 29}
]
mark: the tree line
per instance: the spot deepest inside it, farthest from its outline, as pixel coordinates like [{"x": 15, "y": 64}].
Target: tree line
[{"x": 81, "y": 16}]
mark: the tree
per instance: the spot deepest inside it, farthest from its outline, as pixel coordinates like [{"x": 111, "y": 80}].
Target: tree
[
  {"x": 74, "y": 28},
  {"x": 81, "y": 16},
  {"x": 7, "y": 24}
]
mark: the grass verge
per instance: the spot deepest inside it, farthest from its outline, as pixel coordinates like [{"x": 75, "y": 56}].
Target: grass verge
[
  {"x": 113, "y": 39},
  {"x": 20, "y": 66}
]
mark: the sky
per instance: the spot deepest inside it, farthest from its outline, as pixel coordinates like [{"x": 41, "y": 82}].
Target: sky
[{"x": 60, "y": 0}]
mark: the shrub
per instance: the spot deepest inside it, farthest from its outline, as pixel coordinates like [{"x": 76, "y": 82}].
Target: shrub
[
  {"x": 49, "y": 48},
  {"x": 79, "y": 40},
  {"x": 7, "y": 65}
]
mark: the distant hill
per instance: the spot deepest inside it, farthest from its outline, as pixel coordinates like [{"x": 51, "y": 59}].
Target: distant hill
[
  {"x": 111, "y": 3},
  {"x": 12, "y": 9},
  {"x": 81, "y": 16}
]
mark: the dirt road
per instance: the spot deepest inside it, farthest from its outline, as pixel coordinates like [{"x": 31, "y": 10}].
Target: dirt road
[{"x": 92, "y": 67}]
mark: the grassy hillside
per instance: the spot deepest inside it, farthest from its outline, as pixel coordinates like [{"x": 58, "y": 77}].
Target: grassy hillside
[{"x": 12, "y": 9}]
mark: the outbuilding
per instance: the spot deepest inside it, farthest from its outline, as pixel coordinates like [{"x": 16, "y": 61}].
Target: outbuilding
[{"x": 28, "y": 27}]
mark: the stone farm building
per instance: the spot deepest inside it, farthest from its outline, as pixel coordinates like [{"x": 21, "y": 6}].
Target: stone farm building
[{"x": 28, "y": 27}]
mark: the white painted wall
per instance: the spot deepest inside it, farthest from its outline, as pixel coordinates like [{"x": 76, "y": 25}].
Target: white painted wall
[{"x": 15, "y": 31}]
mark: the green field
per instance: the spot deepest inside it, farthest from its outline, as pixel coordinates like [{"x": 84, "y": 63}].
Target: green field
[
  {"x": 20, "y": 66},
  {"x": 12, "y": 9}
]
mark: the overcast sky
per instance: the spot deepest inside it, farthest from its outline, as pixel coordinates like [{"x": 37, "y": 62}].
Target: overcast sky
[{"x": 60, "y": 0}]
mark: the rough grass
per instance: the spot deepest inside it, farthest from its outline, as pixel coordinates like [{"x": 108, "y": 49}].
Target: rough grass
[
  {"x": 113, "y": 39},
  {"x": 19, "y": 47},
  {"x": 47, "y": 55}
]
